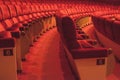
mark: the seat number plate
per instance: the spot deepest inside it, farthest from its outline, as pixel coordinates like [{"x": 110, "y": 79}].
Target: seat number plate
[
  {"x": 8, "y": 52},
  {"x": 100, "y": 62}
]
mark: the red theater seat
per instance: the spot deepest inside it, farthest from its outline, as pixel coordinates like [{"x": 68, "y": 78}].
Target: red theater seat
[
  {"x": 69, "y": 32},
  {"x": 38, "y": 17},
  {"x": 7, "y": 2},
  {"x": 109, "y": 28},
  {"x": 6, "y": 42},
  {"x": 16, "y": 31},
  {"x": 101, "y": 25},
  {"x": 24, "y": 19},
  {"x": 1, "y": 2},
  {"x": 78, "y": 47},
  {"x": 116, "y": 31},
  {"x": 13, "y": 2},
  {"x": 5, "y": 38}
]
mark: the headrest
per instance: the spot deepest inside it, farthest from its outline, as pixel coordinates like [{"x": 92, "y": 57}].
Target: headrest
[
  {"x": 67, "y": 23},
  {"x": 5, "y": 11},
  {"x": 19, "y": 10},
  {"x": 12, "y": 10}
]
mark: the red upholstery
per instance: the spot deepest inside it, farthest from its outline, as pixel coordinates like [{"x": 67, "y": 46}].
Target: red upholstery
[
  {"x": 25, "y": 12},
  {"x": 19, "y": 10},
  {"x": 7, "y": 2},
  {"x": 19, "y": 17},
  {"x": 12, "y": 10},
  {"x": 101, "y": 24},
  {"x": 6, "y": 17},
  {"x": 1, "y": 27},
  {"x": 80, "y": 32},
  {"x": 109, "y": 29},
  {"x": 84, "y": 44},
  {"x": 5, "y": 34},
  {"x": 1, "y": 17},
  {"x": 69, "y": 33},
  {"x": 34, "y": 10},
  {"x": 1, "y": 2},
  {"x": 7, "y": 42},
  {"x": 89, "y": 53},
  {"x": 95, "y": 22},
  {"x": 5, "y": 37},
  {"x": 13, "y": 2},
  {"x": 116, "y": 31},
  {"x": 18, "y": 2},
  {"x": 79, "y": 48},
  {"x": 5, "y": 11}
]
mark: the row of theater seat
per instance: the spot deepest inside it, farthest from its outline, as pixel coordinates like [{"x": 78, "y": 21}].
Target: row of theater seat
[
  {"x": 80, "y": 49},
  {"x": 79, "y": 12},
  {"x": 22, "y": 24},
  {"x": 108, "y": 26},
  {"x": 79, "y": 46}
]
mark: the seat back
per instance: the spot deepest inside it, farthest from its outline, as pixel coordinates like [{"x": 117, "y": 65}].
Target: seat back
[
  {"x": 1, "y": 25},
  {"x": 13, "y": 13},
  {"x": 6, "y": 17},
  {"x": 19, "y": 10},
  {"x": 108, "y": 29},
  {"x": 1, "y": 2},
  {"x": 7, "y": 2},
  {"x": 19, "y": 13},
  {"x": 67, "y": 30},
  {"x": 12, "y": 10},
  {"x": 116, "y": 31},
  {"x": 26, "y": 11},
  {"x": 69, "y": 57},
  {"x": 13, "y": 2}
]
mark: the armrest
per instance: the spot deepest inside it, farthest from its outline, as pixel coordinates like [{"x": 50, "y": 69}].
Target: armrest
[
  {"x": 5, "y": 34},
  {"x": 79, "y": 37},
  {"x": 92, "y": 41},
  {"x": 85, "y": 44},
  {"x": 82, "y": 36},
  {"x": 26, "y": 25},
  {"x": 16, "y": 30},
  {"x": 20, "y": 26},
  {"x": 80, "y": 32},
  {"x": 7, "y": 42},
  {"x": 36, "y": 20},
  {"x": 78, "y": 28},
  {"x": 33, "y": 20},
  {"x": 85, "y": 36},
  {"x": 89, "y": 52},
  {"x": 16, "y": 27},
  {"x": 30, "y": 22},
  {"x": 15, "y": 34}
]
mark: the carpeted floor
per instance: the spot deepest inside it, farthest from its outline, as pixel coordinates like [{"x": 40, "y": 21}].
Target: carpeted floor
[{"x": 45, "y": 60}]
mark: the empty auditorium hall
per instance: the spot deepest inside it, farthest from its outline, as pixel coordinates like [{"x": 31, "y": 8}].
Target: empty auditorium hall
[{"x": 59, "y": 39}]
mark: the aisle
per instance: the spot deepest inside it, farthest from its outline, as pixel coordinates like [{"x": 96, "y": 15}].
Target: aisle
[{"x": 46, "y": 61}]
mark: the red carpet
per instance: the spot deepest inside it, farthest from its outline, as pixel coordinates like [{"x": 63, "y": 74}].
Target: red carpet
[
  {"x": 116, "y": 73},
  {"x": 46, "y": 61}
]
